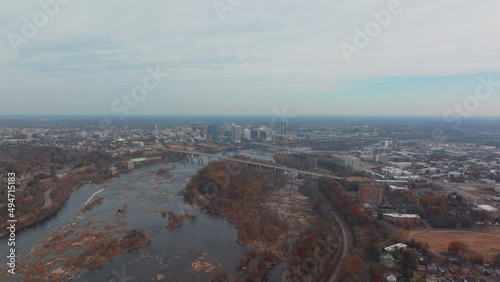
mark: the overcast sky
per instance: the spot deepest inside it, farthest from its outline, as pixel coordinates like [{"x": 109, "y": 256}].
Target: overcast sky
[{"x": 257, "y": 58}]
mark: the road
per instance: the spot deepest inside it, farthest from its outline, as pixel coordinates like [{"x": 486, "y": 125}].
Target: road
[
  {"x": 346, "y": 245},
  {"x": 48, "y": 199}
]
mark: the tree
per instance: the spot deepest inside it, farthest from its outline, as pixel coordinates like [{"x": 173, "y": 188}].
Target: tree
[
  {"x": 457, "y": 247},
  {"x": 496, "y": 259},
  {"x": 409, "y": 264},
  {"x": 351, "y": 268}
]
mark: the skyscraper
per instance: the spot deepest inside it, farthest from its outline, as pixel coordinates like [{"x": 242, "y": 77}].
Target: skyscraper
[
  {"x": 236, "y": 133},
  {"x": 214, "y": 131},
  {"x": 247, "y": 134},
  {"x": 284, "y": 128}
]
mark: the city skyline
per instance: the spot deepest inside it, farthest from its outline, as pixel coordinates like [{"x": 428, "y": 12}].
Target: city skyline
[{"x": 258, "y": 57}]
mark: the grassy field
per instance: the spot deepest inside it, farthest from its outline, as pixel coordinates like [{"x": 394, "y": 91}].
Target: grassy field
[{"x": 486, "y": 243}]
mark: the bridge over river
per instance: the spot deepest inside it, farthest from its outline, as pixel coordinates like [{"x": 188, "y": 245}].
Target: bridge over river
[{"x": 191, "y": 154}]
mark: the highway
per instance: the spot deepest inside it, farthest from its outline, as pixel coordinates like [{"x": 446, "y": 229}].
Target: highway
[
  {"x": 48, "y": 199},
  {"x": 288, "y": 149}
]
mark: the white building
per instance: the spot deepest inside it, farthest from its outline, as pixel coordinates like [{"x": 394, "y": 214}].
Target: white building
[
  {"x": 487, "y": 208},
  {"x": 393, "y": 248},
  {"x": 247, "y": 134},
  {"x": 346, "y": 161}
]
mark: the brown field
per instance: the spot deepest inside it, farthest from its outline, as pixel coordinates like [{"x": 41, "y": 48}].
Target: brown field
[{"x": 485, "y": 243}]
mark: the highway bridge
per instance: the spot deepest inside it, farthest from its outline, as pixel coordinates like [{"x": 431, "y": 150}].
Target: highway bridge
[
  {"x": 191, "y": 154},
  {"x": 287, "y": 150}
]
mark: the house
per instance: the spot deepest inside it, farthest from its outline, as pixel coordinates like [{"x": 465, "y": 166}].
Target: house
[
  {"x": 128, "y": 164},
  {"x": 479, "y": 267},
  {"x": 390, "y": 278},
  {"x": 432, "y": 268},
  {"x": 489, "y": 271},
  {"x": 443, "y": 269},
  {"x": 421, "y": 267},
  {"x": 453, "y": 258},
  {"x": 113, "y": 171},
  {"x": 387, "y": 260}
]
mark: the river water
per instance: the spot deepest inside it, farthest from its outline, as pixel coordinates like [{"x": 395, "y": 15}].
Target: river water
[{"x": 171, "y": 252}]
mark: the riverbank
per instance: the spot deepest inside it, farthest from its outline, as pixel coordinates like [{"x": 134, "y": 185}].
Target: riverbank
[
  {"x": 38, "y": 215},
  {"x": 147, "y": 193}
]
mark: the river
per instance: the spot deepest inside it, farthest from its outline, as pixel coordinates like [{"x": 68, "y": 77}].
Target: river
[{"x": 171, "y": 252}]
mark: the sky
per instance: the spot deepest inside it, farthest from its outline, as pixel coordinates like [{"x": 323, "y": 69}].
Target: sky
[{"x": 258, "y": 57}]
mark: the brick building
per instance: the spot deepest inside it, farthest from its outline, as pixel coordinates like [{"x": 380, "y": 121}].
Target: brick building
[{"x": 371, "y": 193}]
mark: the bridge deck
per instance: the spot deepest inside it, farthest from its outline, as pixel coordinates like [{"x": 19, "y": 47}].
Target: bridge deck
[{"x": 258, "y": 164}]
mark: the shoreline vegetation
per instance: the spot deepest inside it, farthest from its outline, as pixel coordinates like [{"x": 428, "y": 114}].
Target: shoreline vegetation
[{"x": 175, "y": 220}]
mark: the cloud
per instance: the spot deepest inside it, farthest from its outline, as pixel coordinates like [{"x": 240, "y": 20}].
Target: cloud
[{"x": 262, "y": 48}]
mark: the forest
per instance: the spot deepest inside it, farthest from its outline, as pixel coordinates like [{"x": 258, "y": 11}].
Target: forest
[{"x": 36, "y": 168}]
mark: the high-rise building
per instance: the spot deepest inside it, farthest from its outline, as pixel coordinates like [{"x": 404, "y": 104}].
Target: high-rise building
[
  {"x": 255, "y": 135},
  {"x": 214, "y": 131},
  {"x": 247, "y": 134},
  {"x": 227, "y": 137},
  {"x": 284, "y": 128},
  {"x": 263, "y": 135},
  {"x": 236, "y": 133}
]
